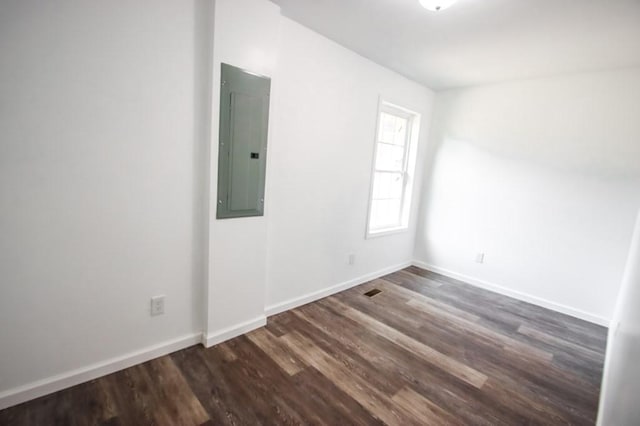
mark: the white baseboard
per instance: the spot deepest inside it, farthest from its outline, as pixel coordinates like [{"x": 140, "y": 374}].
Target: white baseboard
[
  {"x": 525, "y": 297},
  {"x": 49, "y": 385},
  {"x": 62, "y": 381},
  {"x": 53, "y": 384},
  {"x": 233, "y": 331},
  {"x": 325, "y": 292}
]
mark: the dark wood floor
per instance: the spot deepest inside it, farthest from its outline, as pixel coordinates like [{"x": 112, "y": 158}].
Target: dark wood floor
[{"x": 426, "y": 350}]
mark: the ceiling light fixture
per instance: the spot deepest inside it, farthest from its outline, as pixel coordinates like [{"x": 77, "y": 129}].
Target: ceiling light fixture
[{"x": 436, "y": 5}]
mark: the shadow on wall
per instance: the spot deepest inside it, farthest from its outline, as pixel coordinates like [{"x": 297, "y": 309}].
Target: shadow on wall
[
  {"x": 538, "y": 225},
  {"x": 203, "y": 19}
]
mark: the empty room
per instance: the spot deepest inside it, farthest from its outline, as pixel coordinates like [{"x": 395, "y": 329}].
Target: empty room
[{"x": 320, "y": 212}]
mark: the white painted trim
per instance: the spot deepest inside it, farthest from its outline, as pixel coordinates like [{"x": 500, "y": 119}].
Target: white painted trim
[
  {"x": 52, "y": 384},
  {"x": 525, "y": 297},
  {"x": 234, "y": 331},
  {"x": 316, "y": 295},
  {"x": 409, "y": 167},
  {"x": 388, "y": 231},
  {"x": 75, "y": 377}
]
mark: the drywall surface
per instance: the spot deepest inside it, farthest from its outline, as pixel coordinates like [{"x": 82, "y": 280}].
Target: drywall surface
[
  {"x": 621, "y": 381},
  {"x": 320, "y": 167},
  {"x": 246, "y": 35},
  {"x": 100, "y": 174},
  {"x": 543, "y": 176}
]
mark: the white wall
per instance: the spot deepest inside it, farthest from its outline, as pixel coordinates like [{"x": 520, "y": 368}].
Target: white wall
[
  {"x": 101, "y": 174},
  {"x": 246, "y": 35},
  {"x": 322, "y": 124},
  {"x": 544, "y": 177},
  {"x": 621, "y": 381},
  {"x": 319, "y": 174},
  {"x": 108, "y": 180}
]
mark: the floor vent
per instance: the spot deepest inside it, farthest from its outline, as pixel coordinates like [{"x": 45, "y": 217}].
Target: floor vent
[{"x": 373, "y": 292}]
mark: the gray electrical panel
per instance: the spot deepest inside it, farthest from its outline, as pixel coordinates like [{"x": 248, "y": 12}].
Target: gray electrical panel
[{"x": 242, "y": 155}]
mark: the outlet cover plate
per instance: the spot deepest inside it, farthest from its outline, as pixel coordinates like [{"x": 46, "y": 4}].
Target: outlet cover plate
[{"x": 157, "y": 305}]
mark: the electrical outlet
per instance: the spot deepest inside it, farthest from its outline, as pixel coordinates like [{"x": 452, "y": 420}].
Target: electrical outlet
[
  {"x": 157, "y": 305},
  {"x": 480, "y": 258},
  {"x": 352, "y": 258}
]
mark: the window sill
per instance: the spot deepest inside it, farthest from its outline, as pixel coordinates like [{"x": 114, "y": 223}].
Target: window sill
[{"x": 387, "y": 231}]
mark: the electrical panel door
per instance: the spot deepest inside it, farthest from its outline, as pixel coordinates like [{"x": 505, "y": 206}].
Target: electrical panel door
[{"x": 242, "y": 155}]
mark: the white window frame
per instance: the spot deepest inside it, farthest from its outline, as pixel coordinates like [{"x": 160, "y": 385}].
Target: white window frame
[{"x": 408, "y": 171}]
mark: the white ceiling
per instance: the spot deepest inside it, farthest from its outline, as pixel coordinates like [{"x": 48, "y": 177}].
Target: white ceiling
[{"x": 480, "y": 41}]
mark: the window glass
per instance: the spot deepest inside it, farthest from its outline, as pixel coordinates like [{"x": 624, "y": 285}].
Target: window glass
[{"x": 389, "y": 203}]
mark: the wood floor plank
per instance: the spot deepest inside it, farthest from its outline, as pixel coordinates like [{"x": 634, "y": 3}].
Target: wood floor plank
[
  {"x": 278, "y": 352},
  {"x": 574, "y": 348},
  {"x": 213, "y": 387},
  {"x": 290, "y": 396},
  {"x": 317, "y": 402},
  {"x": 161, "y": 395},
  {"x": 256, "y": 385},
  {"x": 278, "y": 324},
  {"x": 454, "y": 319},
  {"x": 271, "y": 393},
  {"x": 545, "y": 377},
  {"x": 537, "y": 390},
  {"x": 497, "y": 308},
  {"x": 487, "y": 333},
  {"x": 177, "y": 404},
  {"x": 359, "y": 362},
  {"x": 226, "y": 352},
  {"x": 455, "y": 337},
  {"x": 371, "y": 398},
  {"x": 422, "y": 408},
  {"x": 456, "y": 396},
  {"x": 588, "y": 371},
  {"x": 334, "y": 405},
  {"x": 429, "y": 354},
  {"x": 404, "y": 276},
  {"x": 475, "y": 361},
  {"x": 429, "y": 303},
  {"x": 540, "y": 377},
  {"x": 128, "y": 398},
  {"x": 428, "y": 349}
]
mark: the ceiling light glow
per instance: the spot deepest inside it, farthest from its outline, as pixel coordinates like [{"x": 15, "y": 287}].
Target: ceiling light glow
[{"x": 436, "y": 5}]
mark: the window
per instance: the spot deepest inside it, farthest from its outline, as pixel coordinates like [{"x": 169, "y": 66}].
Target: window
[{"x": 394, "y": 162}]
